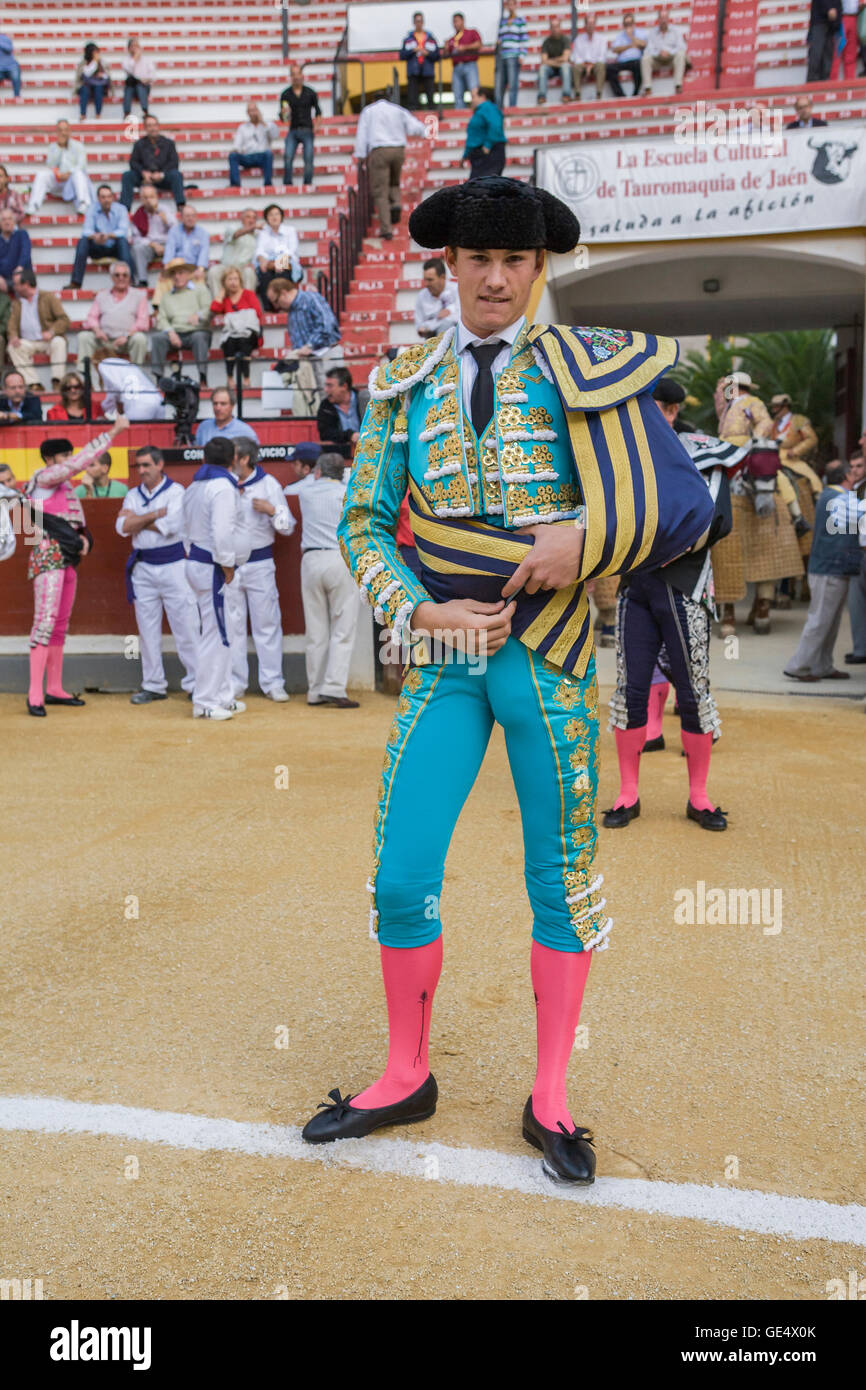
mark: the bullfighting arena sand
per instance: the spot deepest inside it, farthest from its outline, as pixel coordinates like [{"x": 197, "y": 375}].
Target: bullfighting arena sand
[{"x": 186, "y": 972}]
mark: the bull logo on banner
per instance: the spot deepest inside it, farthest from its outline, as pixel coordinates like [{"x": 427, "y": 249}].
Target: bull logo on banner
[{"x": 832, "y": 160}]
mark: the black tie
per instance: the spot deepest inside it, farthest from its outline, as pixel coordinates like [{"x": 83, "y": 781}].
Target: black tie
[{"x": 481, "y": 399}]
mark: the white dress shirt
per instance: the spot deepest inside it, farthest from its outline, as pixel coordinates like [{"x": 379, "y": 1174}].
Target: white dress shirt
[
  {"x": 258, "y": 526},
  {"x": 321, "y": 508},
  {"x": 671, "y": 41},
  {"x": 167, "y": 529},
  {"x": 292, "y": 488},
  {"x": 255, "y": 137},
  {"x": 212, "y": 519},
  {"x": 30, "y": 328},
  {"x": 127, "y": 386},
  {"x": 383, "y": 123},
  {"x": 589, "y": 50},
  {"x": 428, "y": 308},
  {"x": 283, "y": 242},
  {"x": 469, "y": 367}
]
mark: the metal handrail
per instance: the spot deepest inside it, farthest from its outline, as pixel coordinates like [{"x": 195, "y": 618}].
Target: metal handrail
[
  {"x": 720, "y": 39},
  {"x": 284, "y": 25}
]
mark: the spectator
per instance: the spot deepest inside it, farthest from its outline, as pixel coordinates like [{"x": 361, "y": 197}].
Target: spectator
[
  {"x": 512, "y": 45},
  {"x": 106, "y": 234},
  {"x": 589, "y": 56},
  {"x": 225, "y": 424},
  {"x": 37, "y": 320},
  {"x": 7, "y": 477},
  {"x": 485, "y": 136},
  {"x": 804, "y": 120},
  {"x": 341, "y": 412},
  {"x": 92, "y": 80},
  {"x": 150, "y": 225},
  {"x": 857, "y": 585},
  {"x": 313, "y": 330},
  {"x": 71, "y": 405},
  {"x": 128, "y": 391},
  {"x": 252, "y": 147},
  {"x": 138, "y": 79},
  {"x": 463, "y": 49},
  {"x": 241, "y": 313},
  {"x": 64, "y": 173},
  {"x": 14, "y": 248},
  {"x": 9, "y": 68},
  {"x": 824, "y": 26},
  {"x": 437, "y": 305},
  {"x": 665, "y": 48},
  {"x": 9, "y": 198},
  {"x": 95, "y": 482},
  {"x": 627, "y": 49},
  {"x": 299, "y": 105},
  {"x": 331, "y": 603},
  {"x": 302, "y": 462},
  {"x": 277, "y": 250},
  {"x": 181, "y": 319},
  {"x": 119, "y": 319},
  {"x": 833, "y": 561},
  {"x": 554, "y": 63},
  {"x": 239, "y": 249},
  {"x": 153, "y": 160},
  {"x": 847, "y": 54},
  {"x": 420, "y": 53},
  {"x": 383, "y": 128},
  {"x": 189, "y": 242},
  {"x": 17, "y": 405},
  {"x": 5, "y": 310}
]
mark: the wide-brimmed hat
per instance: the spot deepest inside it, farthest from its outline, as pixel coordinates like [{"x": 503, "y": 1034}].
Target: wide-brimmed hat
[
  {"x": 177, "y": 262},
  {"x": 739, "y": 379},
  {"x": 782, "y": 399}
]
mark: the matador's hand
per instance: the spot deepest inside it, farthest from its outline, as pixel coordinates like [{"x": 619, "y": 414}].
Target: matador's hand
[
  {"x": 554, "y": 560},
  {"x": 451, "y": 623}
]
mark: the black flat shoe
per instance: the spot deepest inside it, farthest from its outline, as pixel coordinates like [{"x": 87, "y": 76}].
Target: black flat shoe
[
  {"x": 621, "y": 815},
  {"x": 568, "y": 1158},
  {"x": 654, "y": 745},
  {"x": 63, "y": 700},
  {"x": 852, "y": 659},
  {"x": 707, "y": 820},
  {"x": 341, "y": 1121},
  {"x": 37, "y": 710}
]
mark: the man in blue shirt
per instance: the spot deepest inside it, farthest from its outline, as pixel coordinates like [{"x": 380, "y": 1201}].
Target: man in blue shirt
[
  {"x": 9, "y": 68},
  {"x": 420, "y": 53},
  {"x": 313, "y": 329},
  {"x": 14, "y": 248},
  {"x": 225, "y": 424},
  {"x": 189, "y": 241},
  {"x": 106, "y": 233},
  {"x": 627, "y": 47},
  {"x": 834, "y": 560}
]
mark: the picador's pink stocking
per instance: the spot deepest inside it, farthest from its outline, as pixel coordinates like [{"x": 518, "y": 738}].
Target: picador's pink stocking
[
  {"x": 558, "y": 979},
  {"x": 698, "y": 749},
  {"x": 629, "y": 742},
  {"x": 411, "y": 977}
]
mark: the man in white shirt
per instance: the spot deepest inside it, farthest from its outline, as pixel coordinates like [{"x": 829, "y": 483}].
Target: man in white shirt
[
  {"x": 589, "y": 55},
  {"x": 128, "y": 390},
  {"x": 152, "y": 515},
  {"x": 253, "y": 591},
  {"x": 252, "y": 147},
  {"x": 627, "y": 50},
  {"x": 149, "y": 227},
  {"x": 216, "y": 546},
  {"x": 383, "y": 129},
  {"x": 302, "y": 460},
  {"x": 436, "y": 306},
  {"x": 330, "y": 598},
  {"x": 665, "y": 52},
  {"x": 64, "y": 173}
]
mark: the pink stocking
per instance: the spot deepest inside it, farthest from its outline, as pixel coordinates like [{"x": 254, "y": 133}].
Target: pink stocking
[
  {"x": 629, "y": 742},
  {"x": 698, "y": 749},
  {"x": 54, "y": 670},
  {"x": 411, "y": 977},
  {"x": 658, "y": 696},
  {"x": 558, "y": 979},
  {"x": 38, "y": 659}
]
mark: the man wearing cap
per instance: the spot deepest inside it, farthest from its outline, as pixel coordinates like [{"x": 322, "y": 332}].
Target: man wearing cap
[
  {"x": 535, "y": 459},
  {"x": 757, "y": 549},
  {"x": 670, "y": 608},
  {"x": 182, "y": 318},
  {"x": 302, "y": 460}
]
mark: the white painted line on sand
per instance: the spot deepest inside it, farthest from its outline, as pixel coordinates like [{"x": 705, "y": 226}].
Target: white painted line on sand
[{"x": 768, "y": 1213}]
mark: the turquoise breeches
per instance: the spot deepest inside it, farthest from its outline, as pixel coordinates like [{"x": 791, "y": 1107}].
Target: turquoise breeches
[{"x": 445, "y": 715}]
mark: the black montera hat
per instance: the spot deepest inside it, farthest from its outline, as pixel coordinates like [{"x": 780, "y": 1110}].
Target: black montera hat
[
  {"x": 50, "y": 448},
  {"x": 494, "y": 212},
  {"x": 669, "y": 392}
]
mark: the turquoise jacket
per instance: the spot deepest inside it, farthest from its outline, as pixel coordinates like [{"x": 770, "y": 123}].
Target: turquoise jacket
[{"x": 486, "y": 127}]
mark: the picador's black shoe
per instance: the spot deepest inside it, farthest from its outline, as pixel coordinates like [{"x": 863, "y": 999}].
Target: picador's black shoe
[
  {"x": 37, "y": 710},
  {"x": 342, "y": 1121},
  {"x": 567, "y": 1157},
  {"x": 707, "y": 820},
  {"x": 63, "y": 700},
  {"x": 654, "y": 745},
  {"x": 621, "y": 815}
]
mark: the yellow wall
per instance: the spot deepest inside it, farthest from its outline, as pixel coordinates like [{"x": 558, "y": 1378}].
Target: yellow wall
[
  {"x": 25, "y": 462},
  {"x": 379, "y": 73}
]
